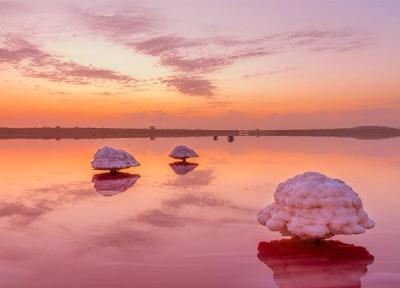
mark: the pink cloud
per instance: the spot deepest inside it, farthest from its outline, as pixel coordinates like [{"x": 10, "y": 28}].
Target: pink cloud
[
  {"x": 192, "y": 59},
  {"x": 191, "y": 85},
  {"x": 197, "y": 57},
  {"x": 274, "y": 71},
  {"x": 15, "y": 50},
  {"x": 204, "y": 55},
  {"x": 33, "y": 62},
  {"x": 194, "y": 65},
  {"x": 159, "y": 45},
  {"x": 118, "y": 26}
]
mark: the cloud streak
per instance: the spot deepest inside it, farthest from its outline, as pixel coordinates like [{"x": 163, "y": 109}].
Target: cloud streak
[
  {"x": 191, "y": 85},
  {"x": 31, "y": 61},
  {"x": 195, "y": 58},
  {"x": 120, "y": 25},
  {"x": 191, "y": 61},
  {"x": 159, "y": 45}
]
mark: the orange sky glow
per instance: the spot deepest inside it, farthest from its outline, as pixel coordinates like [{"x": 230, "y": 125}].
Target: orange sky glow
[{"x": 199, "y": 64}]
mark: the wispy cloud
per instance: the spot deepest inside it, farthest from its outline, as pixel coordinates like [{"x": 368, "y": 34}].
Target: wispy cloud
[
  {"x": 31, "y": 61},
  {"x": 190, "y": 60},
  {"x": 202, "y": 51},
  {"x": 118, "y": 25},
  {"x": 194, "y": 65},
  {"x": 274, "y": 71},
  {"x": 195, "y": 58},
  {"x": 159, "y": 45},
  {"x": 191, "y": 85}
]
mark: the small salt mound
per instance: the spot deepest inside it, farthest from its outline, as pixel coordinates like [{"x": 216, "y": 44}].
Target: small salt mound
[
  {"x": 314, "y": 206},
  {"x": 183, "y": 152},
  {"x": 108, "y": 158}
]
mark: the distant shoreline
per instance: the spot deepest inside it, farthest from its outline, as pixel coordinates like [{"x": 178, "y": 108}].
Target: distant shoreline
[{"x": 362, "y": 132}]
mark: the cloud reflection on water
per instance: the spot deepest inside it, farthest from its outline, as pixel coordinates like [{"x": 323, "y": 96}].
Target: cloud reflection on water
[
  {"x": 40, "y": 201},
  {"x": 188, "y": 208},
  {"x": 194, "y": 180}
]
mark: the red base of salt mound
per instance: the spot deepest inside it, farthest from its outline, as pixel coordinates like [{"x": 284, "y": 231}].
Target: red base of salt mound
[{"x": 304, "y": 263}]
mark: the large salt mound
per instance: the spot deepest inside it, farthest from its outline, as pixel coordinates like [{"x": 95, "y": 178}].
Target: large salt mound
[
  {"x": 108, "y": 158},
  {"x": 314, "y": 206}
]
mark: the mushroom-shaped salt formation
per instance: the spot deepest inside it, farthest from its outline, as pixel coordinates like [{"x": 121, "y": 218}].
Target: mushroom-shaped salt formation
[
  {"x": 108, "y": 184},
  {"x": 112, "y": 159},
  {"x": 314, "y": 206},
  {"x": 301, "y": 263},
  {"x": 183, "y": 168},
  {"x": 182, "y": 152}
]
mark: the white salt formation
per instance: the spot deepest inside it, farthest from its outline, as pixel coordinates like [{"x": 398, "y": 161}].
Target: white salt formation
[
  {"x": 314, "y": 206},
  {"x": 182, "y": 152},
  {"x": 108, "y": 184},
  {"x": 108, "y": 158}
]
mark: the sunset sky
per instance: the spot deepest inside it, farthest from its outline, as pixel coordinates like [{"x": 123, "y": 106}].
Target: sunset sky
[{"x": 200, "y": 64}]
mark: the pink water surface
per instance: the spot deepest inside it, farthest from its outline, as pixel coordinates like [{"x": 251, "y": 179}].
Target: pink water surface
[{"x": 195, "y": 226}]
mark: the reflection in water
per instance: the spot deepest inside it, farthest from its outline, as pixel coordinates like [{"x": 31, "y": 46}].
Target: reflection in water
[
  {"x": 164, "y": 227},
  {"x": 298, "y": 263},
  {"x": 40, "y": 201},
  {"x": 196, "y": 180},
  {"x": 110, "y": 184},
  {"x": 183, "y": 168}
]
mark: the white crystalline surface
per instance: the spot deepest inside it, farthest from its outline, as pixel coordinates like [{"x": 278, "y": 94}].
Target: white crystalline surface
[
  {"x": 314, "y": 206},
  {"x": 183, "y": 152},
  {"x": 108, "y": 158}
]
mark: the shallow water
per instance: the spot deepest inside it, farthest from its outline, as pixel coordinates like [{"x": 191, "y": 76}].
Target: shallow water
[{"x": 188, "y": 226}]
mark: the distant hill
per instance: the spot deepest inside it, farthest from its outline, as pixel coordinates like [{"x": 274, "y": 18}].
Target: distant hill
[{"x": 361, "y": 132}]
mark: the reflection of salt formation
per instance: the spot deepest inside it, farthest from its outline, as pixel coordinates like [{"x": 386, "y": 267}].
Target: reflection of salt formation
[
  {"x": 301, "y": 263},
  {"x": 108, "y": 158},
  {"x": 182, "y": 152},
  {"x": 314, "y": 206},
  {"x": 110, "y": 184},
  {"x": 183, "y": 168}
]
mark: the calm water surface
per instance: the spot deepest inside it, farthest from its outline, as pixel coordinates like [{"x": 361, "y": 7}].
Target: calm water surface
[{"x": 163, "y": 225}]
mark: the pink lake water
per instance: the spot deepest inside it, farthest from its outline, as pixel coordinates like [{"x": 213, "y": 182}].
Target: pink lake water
[{"x": 160, "y": 227}]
